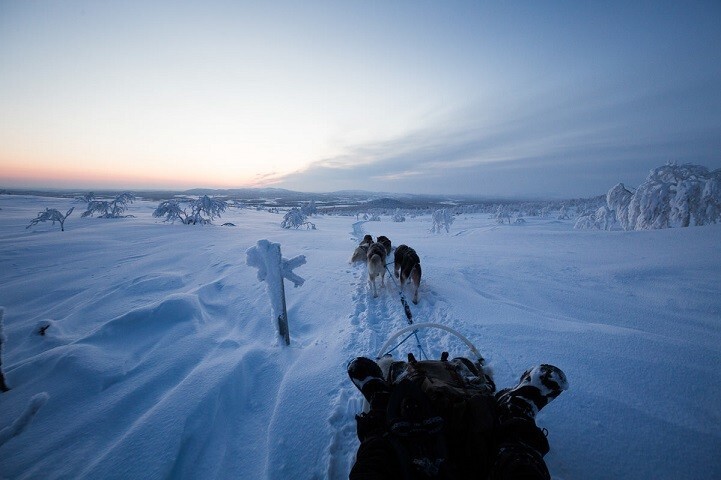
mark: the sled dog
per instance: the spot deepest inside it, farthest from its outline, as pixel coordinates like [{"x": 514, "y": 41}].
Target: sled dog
[
  {"x": 386, "y": 242},
  {"x": 360, "y": 254},
  {"x": 407, "y": 265},
  {"x": 376, "y": 265}
]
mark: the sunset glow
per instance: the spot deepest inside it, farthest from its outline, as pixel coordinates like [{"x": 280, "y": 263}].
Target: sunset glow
[{"x": 457, "y": 97}]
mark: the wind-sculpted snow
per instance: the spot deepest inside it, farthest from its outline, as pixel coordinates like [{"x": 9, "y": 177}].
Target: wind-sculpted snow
[{"x": 138, "y": 349}]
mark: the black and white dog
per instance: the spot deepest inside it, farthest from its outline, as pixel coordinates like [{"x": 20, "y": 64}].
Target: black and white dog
[
  {"x": 360, "y": 254},
  {"x": 408, "y": 265},
  {"x": 376, "y": 264}
]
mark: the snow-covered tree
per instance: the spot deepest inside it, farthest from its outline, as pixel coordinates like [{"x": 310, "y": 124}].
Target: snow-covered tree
[
  {"x": 601, "y": 219},
  {"x": 3, "y": 385},
  {"x": 110, "y": 208},
  {"x": 87, "y": 198},
  {"x": 203, "y": 210},
  {"x": 51, "y": 215},
  {"x": 618, "y": 200},
  {"x": 672, "y": 196},
  {"x": 172, "y": 211},
  {"x": 398, "y": 216},
  {"x": 502, "y": 215},
  {"x": 295, "y": 218},
  {"x": 442, "y": 219},
  {"x": 309, "y": 208},
  {"x": 563, "y": 213}
]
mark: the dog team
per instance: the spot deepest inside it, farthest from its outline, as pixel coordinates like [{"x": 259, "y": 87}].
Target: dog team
[{"x": 406, "y": 263}]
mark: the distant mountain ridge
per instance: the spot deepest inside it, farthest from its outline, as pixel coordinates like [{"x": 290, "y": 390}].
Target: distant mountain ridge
[{"x": 283, "y": 197}]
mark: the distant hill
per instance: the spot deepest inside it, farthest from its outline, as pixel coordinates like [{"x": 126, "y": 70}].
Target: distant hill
[{"x": 340, "y": 201}]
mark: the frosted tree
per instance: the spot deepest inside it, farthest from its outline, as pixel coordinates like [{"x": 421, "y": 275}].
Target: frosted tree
[
  {"x": 205, "y": 209},
  {"x": 309, "y": 208},
  {"x": 502, "y": 215},
  {"x": 398, "y": 216},
  {"x": 442, "y": 219},
  {"x": 672, "y": 196},
  {"x": 88, "y": 197},
  {"x": 201, "y": 211},
  {"x": 618, "y": 200},
  {"x": 110, "y": 208},
  {"x": 172, "y": 211},
  {"x": 3, "y": 385},
  {"x": 563, "y": 213},
  {"x": 295, "y": 218},
  {"x": 51, "y": 215},
  {"x": 601, "y": 219}
]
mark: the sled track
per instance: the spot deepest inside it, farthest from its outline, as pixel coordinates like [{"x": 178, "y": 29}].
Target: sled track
[{"x": 373, "y": 321}]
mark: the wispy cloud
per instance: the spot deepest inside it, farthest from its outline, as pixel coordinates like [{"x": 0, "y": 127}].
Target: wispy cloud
[{"x": 595, "y": 137}]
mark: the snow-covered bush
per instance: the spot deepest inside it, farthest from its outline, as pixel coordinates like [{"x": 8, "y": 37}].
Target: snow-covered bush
[
  {"x": 51, "y": 215},
  {"x": 203, "y": 210},
  {"x": 398, "y": 216},
  {"x": 3, "y": 386},
  {"x": 295, "y": 218},
  {"x": 672, "y": 196},
  {"x": 442, "y": 219},
  {"x": 601, "y": 219},
  {"x": 110, "y": 208}
]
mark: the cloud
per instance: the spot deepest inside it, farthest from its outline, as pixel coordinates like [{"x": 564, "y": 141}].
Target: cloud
[{"x": 552, "y": 145}]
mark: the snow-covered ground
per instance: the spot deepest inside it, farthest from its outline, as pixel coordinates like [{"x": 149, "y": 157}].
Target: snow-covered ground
[{"x": 160, "y": 358}]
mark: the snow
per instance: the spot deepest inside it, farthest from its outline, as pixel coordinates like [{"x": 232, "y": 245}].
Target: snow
[{"x": 161, "y": 358}]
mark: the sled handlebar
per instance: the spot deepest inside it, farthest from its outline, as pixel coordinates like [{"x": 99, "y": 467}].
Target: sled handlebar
[{"x": 415, "y": 326}]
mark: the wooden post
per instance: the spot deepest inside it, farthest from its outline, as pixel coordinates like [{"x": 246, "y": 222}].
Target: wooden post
[
  {"x": 273, "y": 269},
  {"x": 276, "y": 259}
]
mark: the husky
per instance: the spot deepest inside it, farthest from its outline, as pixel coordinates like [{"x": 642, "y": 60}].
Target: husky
[
  {"x": 385, "y": 241},
  {"x": 376, "y": 265},
  {"x": 407, "y": 265},
  {"x": 360, "y": 254}
]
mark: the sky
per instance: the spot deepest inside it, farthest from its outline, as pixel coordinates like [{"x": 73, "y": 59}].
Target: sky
[{"x": 518, "y": 98}]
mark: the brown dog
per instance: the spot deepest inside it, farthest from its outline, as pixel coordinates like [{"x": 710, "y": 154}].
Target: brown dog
[
  {"x": 376, "y": 265},
  {"x": 407, "y": 265},
  {"x": 360, "y": 254},
  {"x": 386, "y": 242}
]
